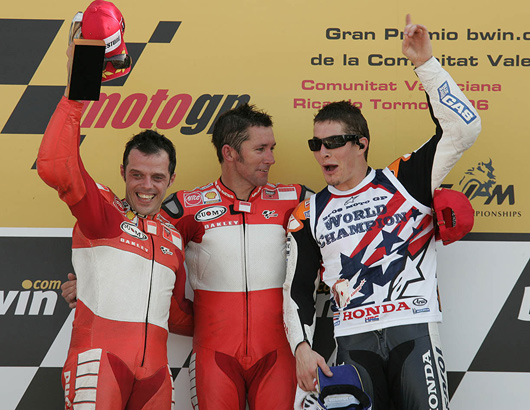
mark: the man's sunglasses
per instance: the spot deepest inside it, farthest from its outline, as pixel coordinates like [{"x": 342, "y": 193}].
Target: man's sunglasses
[
  {"x": 335, "y": 141},
  {"x": 119, "y": 61}
]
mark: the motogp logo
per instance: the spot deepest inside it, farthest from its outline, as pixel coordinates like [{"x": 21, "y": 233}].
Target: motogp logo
[
  {"x": 269, "y": 214},
  {"x": 166, "y": 251}
]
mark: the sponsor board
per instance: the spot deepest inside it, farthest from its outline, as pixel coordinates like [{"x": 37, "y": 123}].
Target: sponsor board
[{"x": 498, "y": 202}]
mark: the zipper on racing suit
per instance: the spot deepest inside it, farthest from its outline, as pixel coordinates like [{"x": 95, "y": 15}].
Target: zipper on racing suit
[
  {"x": 244, "y": 255},
  {"x": 148, "y": 293},
  {"x": 245, "y": 272}
]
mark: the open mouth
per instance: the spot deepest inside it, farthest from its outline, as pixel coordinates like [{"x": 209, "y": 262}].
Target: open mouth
[
  {"x": 145, "y": 196},
  {"x": 329, "y": 168}
]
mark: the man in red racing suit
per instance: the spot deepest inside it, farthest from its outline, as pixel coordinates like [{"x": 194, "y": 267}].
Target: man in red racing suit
[
  {"x": 236, "y": 266},
  {"x": 129, "y": 267},
  {"x": 234, "y": 231}
]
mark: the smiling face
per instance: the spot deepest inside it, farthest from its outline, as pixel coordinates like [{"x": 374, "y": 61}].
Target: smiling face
[
  {"x": 146, "y": 180},
  {"x": 344, "y": 167}
]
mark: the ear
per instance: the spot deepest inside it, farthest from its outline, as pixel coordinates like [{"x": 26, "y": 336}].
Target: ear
[
  {"x": 122, "y": 171},
  {"x": 363, "y": 143},
  {"x": 171, "y": 180},
  {"x": 229, "y": 153}
]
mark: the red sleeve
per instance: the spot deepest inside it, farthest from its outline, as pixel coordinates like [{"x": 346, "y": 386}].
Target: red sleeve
[
  {"x": 58, "y": 162},
  {"x": 180, "y": 322},
  {"x": 181, "y": 309},
  {"x": 59, "y": 165}
]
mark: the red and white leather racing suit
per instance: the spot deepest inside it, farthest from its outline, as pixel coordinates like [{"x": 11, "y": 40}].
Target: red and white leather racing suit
[
  {"x": 128, "y": 268},
  {"x": 236, "y": 266}
]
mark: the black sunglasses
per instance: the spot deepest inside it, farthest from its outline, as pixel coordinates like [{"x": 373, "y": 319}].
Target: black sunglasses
[
  {"x": 335, "y": 141},
  {"x": 119, "y": 61}
]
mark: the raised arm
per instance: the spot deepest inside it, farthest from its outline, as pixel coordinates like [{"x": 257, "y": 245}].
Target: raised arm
[
  {"x": 59, "y": 164},
  {"x": 457, "y": 121}
]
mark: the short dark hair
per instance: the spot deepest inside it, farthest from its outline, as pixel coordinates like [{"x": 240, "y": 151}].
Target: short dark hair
[
  {"x": 150, "y": 142},
  {"x": 349, "y": 115},
  {"x": 231, "y": 127}
]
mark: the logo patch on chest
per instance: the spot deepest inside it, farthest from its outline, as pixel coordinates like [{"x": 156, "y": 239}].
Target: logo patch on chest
[
  {"x": 132, "y": 230},
  {"x": 210, "y": 213},
  {"x": 193, "y": 199},
  {"x": 166, "y": 251},
  {"x": 269, "y": 214}
]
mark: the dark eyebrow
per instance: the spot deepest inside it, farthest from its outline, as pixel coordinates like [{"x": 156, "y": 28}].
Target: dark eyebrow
[
  {"x": 158, "y": 174},
  {"x": 266, "y": 145}
]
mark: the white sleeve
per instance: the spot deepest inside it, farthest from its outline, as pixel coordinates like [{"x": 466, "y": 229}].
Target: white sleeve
[{"x": 457, "y": 117}]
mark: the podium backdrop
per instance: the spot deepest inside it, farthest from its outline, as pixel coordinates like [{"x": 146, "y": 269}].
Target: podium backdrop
[{"x": 193, "y": 61}]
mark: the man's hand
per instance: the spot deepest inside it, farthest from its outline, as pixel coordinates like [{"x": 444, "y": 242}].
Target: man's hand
[
  {"x": 70, "y": 290},
  {"x": 307, "y": 361},
  {"x": 70, "y": 55},
  {"x": 416, "y": 44}
]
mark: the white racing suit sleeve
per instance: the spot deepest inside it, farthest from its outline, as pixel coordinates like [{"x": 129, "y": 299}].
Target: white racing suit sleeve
[
  {"x": 302, "y": 279},
  {"x": 455, "y": 114}
]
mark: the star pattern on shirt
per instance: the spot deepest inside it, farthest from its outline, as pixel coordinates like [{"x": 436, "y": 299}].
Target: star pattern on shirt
[
  {"x": 389, "y": 240},
  {"x": 387, "y": 276},
  {"x": 414, "y": 213},
  {"x": 400, "y": 287}
]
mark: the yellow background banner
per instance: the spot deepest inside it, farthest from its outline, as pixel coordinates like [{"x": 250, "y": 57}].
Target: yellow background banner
[{"x": 288, "y": 57}]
